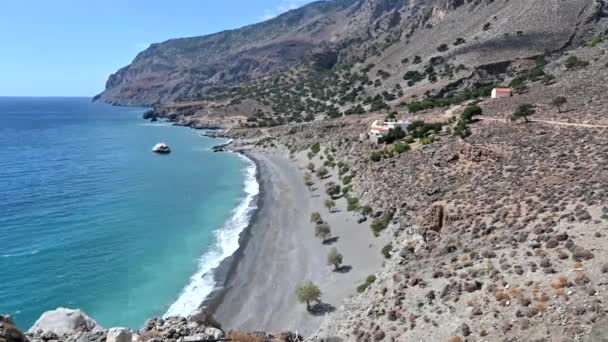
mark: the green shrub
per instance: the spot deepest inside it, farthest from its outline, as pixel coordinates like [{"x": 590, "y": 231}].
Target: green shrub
[
  {"x": 596, "y": 40},
  {"x": 376, "y": 156},
  {"x": 316, "y": 217},
  {"x": 401, "y": 148},
  {"x": 381, "y": 223},
  {"x": 322, "y": 172},
  {"x": 536, "y": 74},
  {"x": 523, "y": 111},
  {"x": 459, "y": 41},
  {"x": 368, "y": 281},
  {"x": 462, "y": 127},
  {"x": 343, "y": 168},
  {"x": 346, "y": 180},
  {"x": 443, "y": 48},
  {"x": 558, "y": 102},
  {"x": 421, "y": 129},
  {"x": 353, "y": 203},
  {"x": 386, "y": 250},
  {"x": 315, "y": 148},
  {"x": 393, "y": 134},
  {"x": 573, "y": 62},
  {"x": 366, "y": 210},
  {"x": 332, "y": 189}
]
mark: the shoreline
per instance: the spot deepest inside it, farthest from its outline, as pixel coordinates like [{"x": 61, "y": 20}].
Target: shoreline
[
  {"x": 278, "y": 251},
  {"x": 209, "y": 277},
  {"x": 224, "y": 273}
]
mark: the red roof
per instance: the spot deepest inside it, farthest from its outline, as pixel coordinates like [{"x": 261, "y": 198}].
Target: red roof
[{"x": 503, "y": 90}]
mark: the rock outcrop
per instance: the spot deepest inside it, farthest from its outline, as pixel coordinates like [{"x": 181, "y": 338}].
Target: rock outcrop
[
  {"x": 66, "y": 325},
  {"x": 9, "y": 332},
  {"x": 64, "y": 321}
]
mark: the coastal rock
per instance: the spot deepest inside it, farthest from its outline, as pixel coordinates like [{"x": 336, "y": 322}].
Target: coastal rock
[
  {"x": 9, "y": 332},
  {"x": 204, "y": 317},
  {"x": 195, "y": 337},
  {"x": 119, "y": 335},
  {"x": 64, "y": 321},
  {"x": 214, "y": 333}
]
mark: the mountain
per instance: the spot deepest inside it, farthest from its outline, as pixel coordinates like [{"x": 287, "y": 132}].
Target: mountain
[
  {"x": 331, "y": 57},
  {"x": 187, "y": 66}
]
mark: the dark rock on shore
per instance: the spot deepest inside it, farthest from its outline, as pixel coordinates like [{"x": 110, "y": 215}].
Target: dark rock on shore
[{"x": 9, "y": 332}]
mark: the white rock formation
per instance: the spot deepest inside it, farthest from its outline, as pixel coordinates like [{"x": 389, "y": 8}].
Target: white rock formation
[
  {"x": 65, "y": 321},
  {"x": 119, "y": 335}
]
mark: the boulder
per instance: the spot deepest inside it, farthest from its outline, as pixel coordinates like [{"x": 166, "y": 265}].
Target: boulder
[
  {"x": 214, "y": 333},
  {"x": 195, "y": 337},
  {"x": 9, "y": 332},
  {"x": 65, "y": 321},
  {"x": 119, "y": 335}
]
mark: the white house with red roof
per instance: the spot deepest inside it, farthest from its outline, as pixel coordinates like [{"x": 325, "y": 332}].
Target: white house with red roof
[
  {"x": 380, "y": 128},
  {"x": 499, "y": 93}
]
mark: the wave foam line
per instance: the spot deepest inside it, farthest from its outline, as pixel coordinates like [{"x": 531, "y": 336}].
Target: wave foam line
[{"x": 202, "y": 283}]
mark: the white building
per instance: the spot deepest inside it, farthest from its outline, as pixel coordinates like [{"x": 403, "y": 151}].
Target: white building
[
  {"x": 499, "y": 93},
  {"x": 380, "y": 128}
]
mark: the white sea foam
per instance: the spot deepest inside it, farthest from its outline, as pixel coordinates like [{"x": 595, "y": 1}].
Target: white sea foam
[
  {"x": 20, "y": 254},
  {"x": 202, "y": 282},
  {"x": 158, "y": 124}
]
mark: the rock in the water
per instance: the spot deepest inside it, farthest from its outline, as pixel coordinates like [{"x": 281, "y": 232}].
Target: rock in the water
[
  {"x": 9, "y": 332},
  {"x": 65, "y": 321},
  {"x": 119, "y": 335}
]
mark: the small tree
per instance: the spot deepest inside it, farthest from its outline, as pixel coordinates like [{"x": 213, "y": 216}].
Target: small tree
[
  {"x": 367, "y": 210},
  {"x": 332, "y": 189},
  {"x": 571, "y": 62},
  {"x": 330, "y": 205},
  {"x": 523, "y": 111},
  {"x": 308, "y": 292},
  {"x": 308, "y": 181},
  {"x": 316, "y": 218},
  {"x": 311, "y": 167},
  {"x": 386, "y": 251},
  {"x": 558, "y": 102},
  {"x": 334, "y": 258},
  {"x": 352, "y": 204},
  {"x": 322, "y": 172},
  {"x": 323, "y": 231}
]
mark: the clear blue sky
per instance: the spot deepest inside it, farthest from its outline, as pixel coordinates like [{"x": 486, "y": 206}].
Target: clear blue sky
[{"x": 69, "y": 47}]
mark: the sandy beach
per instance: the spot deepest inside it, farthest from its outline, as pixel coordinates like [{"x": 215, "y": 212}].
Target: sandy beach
[{"x": 280, "y": 252}]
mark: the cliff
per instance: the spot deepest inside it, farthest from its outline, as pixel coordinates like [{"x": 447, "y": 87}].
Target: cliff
[{"x": 332, "y": 58}]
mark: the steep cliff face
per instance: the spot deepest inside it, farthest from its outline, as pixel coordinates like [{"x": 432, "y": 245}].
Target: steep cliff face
[
  {"x": 354, "y": 32},
  {"x": 188, "y": 66}
]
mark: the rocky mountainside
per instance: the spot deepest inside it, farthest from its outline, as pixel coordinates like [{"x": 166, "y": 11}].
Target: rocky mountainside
[
  {"x": 359, "y": 48},
  {"x": 188, "y": 67},
  {"x": 497, "y": 226}
]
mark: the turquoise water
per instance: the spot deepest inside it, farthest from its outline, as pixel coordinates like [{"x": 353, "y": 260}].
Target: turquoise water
[{"x": 90, "y": 218}]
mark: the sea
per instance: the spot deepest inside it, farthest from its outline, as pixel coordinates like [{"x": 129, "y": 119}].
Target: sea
[{"x": 91, "y": 219}]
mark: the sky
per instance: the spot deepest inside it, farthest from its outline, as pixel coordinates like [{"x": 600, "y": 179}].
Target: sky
[{"x": 70, "y": 47}]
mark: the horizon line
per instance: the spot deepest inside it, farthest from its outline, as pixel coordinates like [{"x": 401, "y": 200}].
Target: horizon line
[{"x": 47, "y": 96}]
